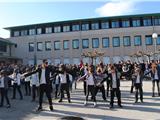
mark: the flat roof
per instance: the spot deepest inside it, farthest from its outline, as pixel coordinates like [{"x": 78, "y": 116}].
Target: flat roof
[
  {"x": 6, "y": 41},
  {"x": 86, "y": 20}
]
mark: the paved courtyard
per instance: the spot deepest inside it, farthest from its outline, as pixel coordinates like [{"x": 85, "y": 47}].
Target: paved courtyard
[{"x": 149, "y": 110}]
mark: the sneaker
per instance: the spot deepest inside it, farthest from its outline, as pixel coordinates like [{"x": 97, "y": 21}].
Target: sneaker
[
  {"x": 111, "y": 107},
  {"x": 120, "y": 106},
  {"x": 8, "y": 106},
  {"x": 85, "y": 103},
  {"x": 51, "y": 108},
  {"x": 39, "y": 109},
  {"x": 95, "y": 104},
  {"x": 60, "y": 100}
]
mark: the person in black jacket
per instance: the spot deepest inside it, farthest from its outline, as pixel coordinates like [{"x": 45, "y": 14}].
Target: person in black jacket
[
  {"x": 115, "y": 87},
  {"x": 45, "y": 83}
]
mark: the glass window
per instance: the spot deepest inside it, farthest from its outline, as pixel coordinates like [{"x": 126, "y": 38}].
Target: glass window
[
  {"x": 115, "y": 24},
  {"x": 75, "y": 27},
  {"x": 105, "y": 25},
  {"x": 16, "y": 33},
  {"x": 85, "y": 26},
  {"x": 85, "y": 43},
  {"x": 32, "y": 32},
  {"x": 31, "y": 47},
  {"x": 66, "y": 44},
  {"x": 116, "y": 42},
  {"x": 157, "y": 21},
  {"x": 125, "y": 23},
  {"x": 136, "y": 23},
  {"x": 48, "y": 45},
  {"x": 39, "y": 31},
  {"x": 105, "y": 42},
  {"x": 95, "y": 43},
  {"x": 48, "y": 30},
  {"x": 39, "y": 46},
  {"x": 147, "y": 22},
  {"x": 95, "y": 26},
  {"x": 158, "y": 40},
  {"x": 148, "y": 40},
  {"x": 66, "y": 28},
  {"x": 57, "y": 29},
  {"x": 23, "y": 32},
  {"x": 3, "y": 47},
  {"x": 57, "y": 45},
  {"x": 66, "y": 61},
  {"x": 75, "y": 44},
  {"x": 126, "y": 41},
  {"x": 137, "y": 40}
]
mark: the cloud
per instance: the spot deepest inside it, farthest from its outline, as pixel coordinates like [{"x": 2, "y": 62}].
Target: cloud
[{"x": 116, "y": 7}]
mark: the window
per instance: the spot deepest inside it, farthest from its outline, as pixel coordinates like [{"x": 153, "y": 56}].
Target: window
[
  {"x": 137, "y": 40},
  {"x": 48, "y": 45},
  {"x": 39, "y": 46},
  {"x": 32, "y": 32},
  {"x": 66, "y": 28},
  {"x": 57, "y": 29},
  {"x": 147, "y": 22},
  {"x": 105, "y": 42},
  {"x": 158, "y": 40},
  {"x": 66, "y": 44},
  {"x": 23, "y": 32},
  {"x": 66, "y": 61},
  {"x": 16, "y": 33},
  {"x": 136, "y": 23},
  {"x": 75, "y": 44},
  {"x": 85, "y": 26},
  {"x": 85, "y": 43},
  {"x": 157, "y": 21},
  {"x": 125, "y": 23},
  {"x": 115, "y": 24},
  {"x": 148, "y": 40},
  {"x": 3, "y": 47},
  {"x": 116, "y": 42},
  {"x": 95, "y": 43},
  {"x": 95, "y": 26},
  {"x": 105, "y": 25},
  {"x": 31, "y": 47},
  {"x": 126, "y": 41},
  {"x": 57, "y": 45},
  {"x": 48, "y": 30},
  {"x": 39, "y": 31},
  {"x": 75, "y": 27}
]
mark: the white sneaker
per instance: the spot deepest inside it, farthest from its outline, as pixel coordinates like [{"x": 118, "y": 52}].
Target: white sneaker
[
  {"x": 95, "y": 104},
  {"x": 85, "y": 103}
]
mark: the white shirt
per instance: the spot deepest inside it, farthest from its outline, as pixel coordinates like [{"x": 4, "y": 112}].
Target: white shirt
[
  {"x": 156, "y": 75},
  {"x": 138, "y": 79},
  {"x": 35, "y": 80},
  {"x": 1, "y": 82},
  {"x": 114, "y": 81},
  {"x": 43, "y": 78},
  {"x": 63, "y": 78},
  {"x": 17, "y": 78},
  {"x": 90, "y": 80}
]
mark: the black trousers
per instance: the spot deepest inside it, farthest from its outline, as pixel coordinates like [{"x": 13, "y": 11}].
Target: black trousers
[
  {"x": 118, "y": 94},
  {"x": 84, "y": 87},
  {"x": 132, "y": 85},
  {"x": 91, "y": 89},
  {"x": 27, "y": 88},
  {"x": 18, "y": 87},
  {"x": 34, "y": 91},
  {"x": 57, "y": 90},
  {"x": 4, "y": 94},
  {"x": 65, "y": 87},
  {"x": 153, "y": 87},
  {"x": 108, "y": 87},
  {"x": 102, "y": 89},
  {"x": 139, "y": 90},
  {"x": 44, "y": 88}
]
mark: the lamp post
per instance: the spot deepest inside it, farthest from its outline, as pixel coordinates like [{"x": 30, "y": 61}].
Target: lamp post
[{"x": 154, "y": 37}]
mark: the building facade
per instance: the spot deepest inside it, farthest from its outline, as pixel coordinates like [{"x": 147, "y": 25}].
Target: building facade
[
  {"x": 64, "y": 42},
  {"x": 7, "y": 51}
]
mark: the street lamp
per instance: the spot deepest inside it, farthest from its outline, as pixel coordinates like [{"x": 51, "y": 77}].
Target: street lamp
[{"x": 154, "y": 36}]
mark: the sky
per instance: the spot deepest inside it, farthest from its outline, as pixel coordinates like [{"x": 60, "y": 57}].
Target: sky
[{"x": 24, "y": 12}]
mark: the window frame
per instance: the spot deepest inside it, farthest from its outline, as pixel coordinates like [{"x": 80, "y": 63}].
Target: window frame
[{"x": 93, "y": 43}]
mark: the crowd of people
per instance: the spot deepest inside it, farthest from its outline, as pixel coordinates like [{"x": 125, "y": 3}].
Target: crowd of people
[{"x": 40, "y": 79}]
